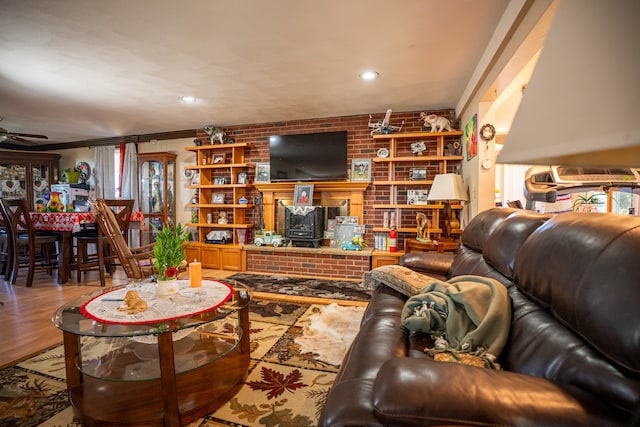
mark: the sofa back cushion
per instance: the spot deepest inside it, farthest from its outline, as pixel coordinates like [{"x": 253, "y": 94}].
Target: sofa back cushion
[
  {"x": 469, "y": 259},
  {"x": 501, "y": 247},
  {"x": 575, "y": 305}
]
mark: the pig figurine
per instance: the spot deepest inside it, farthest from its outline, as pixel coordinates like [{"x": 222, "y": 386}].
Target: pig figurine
[{"x": 437, "y": 123}]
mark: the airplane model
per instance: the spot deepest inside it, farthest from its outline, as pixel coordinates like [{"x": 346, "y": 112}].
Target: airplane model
[{"x": 383, "y": 126}]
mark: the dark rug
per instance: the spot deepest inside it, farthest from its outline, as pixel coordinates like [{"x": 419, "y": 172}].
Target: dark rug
[{"x": 306, "y": 287}]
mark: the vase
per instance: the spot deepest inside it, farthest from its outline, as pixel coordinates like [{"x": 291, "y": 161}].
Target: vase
[
  {"x": 167, "y": 288},
  {"x": 55, "y": 204}
]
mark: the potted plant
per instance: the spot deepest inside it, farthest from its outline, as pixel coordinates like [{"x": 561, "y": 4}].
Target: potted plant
[
  {"x": 72, "y": 175},
  {"x": 168, "y": 254},
  {"x": 587, "y": 203}
]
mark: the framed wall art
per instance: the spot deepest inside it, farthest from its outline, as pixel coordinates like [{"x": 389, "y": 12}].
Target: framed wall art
[
  {"x": 361, "y": 170},
  {"x": 471, "y": 137}
]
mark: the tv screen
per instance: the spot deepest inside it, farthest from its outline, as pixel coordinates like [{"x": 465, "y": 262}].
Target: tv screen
[{"x": 309, "y": 157}]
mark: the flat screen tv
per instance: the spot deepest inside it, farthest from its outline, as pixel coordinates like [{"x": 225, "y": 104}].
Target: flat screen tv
[{"x": 309, "y": 157}]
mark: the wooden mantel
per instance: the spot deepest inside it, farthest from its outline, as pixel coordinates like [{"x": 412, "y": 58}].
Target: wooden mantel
[{"x": 322, "y": 190}]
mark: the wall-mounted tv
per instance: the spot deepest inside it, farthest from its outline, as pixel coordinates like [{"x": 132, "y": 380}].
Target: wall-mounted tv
[{"x": 309, "y": 157}]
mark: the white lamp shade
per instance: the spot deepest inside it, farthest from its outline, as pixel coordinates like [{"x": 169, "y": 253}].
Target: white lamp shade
[
  {"x": 448, "y": 186},
  {"x": 581, "y": 105}
]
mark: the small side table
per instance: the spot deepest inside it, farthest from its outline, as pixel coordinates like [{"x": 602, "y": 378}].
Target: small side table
[{"x": 413, "y": 245}]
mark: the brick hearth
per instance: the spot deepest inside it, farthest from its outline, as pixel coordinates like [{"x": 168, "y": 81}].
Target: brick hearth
[{"x": 325, "y": 262}]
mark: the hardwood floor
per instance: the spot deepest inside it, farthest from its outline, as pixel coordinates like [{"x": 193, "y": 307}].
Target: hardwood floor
[{"x": 25, "y": 317}]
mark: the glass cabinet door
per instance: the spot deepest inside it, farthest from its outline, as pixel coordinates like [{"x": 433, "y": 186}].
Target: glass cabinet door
[
  {"x": 40, "y": 177},
  {"x": 13, "y": 181},
  {"x": 156, "y": 172}
]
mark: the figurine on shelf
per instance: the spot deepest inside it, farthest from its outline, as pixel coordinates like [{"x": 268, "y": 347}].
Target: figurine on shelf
[
  {"x": 222, "y": 218},
  {"x": 437, "y": 123},
  {"x": 218, "y": 134},
  {"x": 383, "y": 126},
  {"x": 156, "y": 198},
  {"x": 423, "y": 228}
]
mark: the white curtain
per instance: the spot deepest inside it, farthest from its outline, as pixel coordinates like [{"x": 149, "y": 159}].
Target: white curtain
[
  {"x": 104, "y": 172},
  {"x": 130, "y": 174},
  {"x": 130, "y": 187}
]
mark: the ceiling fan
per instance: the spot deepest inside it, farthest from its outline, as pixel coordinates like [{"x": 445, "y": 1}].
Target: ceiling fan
[{"x": 18, "y": 138}]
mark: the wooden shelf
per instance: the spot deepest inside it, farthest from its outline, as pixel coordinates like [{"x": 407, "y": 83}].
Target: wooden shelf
[
  {"x": 219, "y": 146},
  {"x": 220, "y": 166},
  {"x": 435, "y": 160},
  {"x": 229, "y": 256},
  {"x": 410, "y": 135},
  {"x": 416, "y": 159},
  {"x": 216, "y": 225}
]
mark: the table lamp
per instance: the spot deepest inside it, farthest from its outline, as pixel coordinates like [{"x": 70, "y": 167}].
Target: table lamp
[{"x": 448, "y": 187}]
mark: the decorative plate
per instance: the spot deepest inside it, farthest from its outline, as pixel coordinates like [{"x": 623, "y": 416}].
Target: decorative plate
[
  {"x": 383, "y": 152},
  {"x": 40, "y": 185},
  {"x": 187, "y": 174},
  {"x": 85, "y": 170}
]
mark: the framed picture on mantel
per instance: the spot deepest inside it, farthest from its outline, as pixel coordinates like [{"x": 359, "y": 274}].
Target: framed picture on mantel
[
  {"x": 263, "y": 172},
  {"x": 303, "y": 195}
]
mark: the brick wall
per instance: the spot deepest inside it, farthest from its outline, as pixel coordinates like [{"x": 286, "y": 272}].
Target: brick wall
[
  {"x": 360, "y": 145},
  {"x": 327, "y": 265}
]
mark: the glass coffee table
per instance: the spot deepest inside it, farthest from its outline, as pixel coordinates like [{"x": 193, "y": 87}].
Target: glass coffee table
[{"x": 180, "y": 359}]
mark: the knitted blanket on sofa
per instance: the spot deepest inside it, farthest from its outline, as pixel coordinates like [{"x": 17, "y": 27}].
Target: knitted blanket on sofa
[{"x": 470, "y": 314}]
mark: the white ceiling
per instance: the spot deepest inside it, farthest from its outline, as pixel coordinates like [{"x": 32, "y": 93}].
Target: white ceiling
[{"x": 88, "y": 69}]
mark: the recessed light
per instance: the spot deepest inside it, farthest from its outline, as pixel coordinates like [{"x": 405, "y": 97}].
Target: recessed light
[
  {"x": 188, "y": 99},
  {"x": 369, "y": 75}
]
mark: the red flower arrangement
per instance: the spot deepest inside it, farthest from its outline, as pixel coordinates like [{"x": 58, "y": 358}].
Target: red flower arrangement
[{"x": 171, "y": 272}]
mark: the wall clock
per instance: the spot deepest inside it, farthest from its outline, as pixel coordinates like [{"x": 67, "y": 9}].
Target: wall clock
[{"x": 487, "y": 132}]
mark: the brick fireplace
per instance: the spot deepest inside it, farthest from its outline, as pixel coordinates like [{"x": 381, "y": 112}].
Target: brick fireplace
[{"x": 312, "y": 261}]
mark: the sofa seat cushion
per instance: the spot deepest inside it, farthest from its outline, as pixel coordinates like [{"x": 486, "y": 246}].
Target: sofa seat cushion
[{"x": 422, "y": 392}]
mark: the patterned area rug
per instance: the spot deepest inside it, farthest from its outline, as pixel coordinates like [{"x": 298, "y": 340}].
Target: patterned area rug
[
  {"x": 299, "y": 286},
  {"x": 285, "y": 386}
]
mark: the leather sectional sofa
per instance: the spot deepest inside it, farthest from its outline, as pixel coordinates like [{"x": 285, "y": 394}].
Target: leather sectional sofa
[{"x": 573, "y": 353}]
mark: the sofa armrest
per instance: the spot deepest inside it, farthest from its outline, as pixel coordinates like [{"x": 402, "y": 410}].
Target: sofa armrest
[
  {"x": 433, "y": 263},
  {"x": 422, "y": 392}
]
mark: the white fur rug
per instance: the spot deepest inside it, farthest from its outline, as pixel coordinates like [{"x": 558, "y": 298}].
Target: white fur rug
[{"x": 330, "y": 332}]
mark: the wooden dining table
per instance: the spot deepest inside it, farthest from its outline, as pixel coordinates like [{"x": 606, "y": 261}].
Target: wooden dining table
[{"x": 66, "y": 223}]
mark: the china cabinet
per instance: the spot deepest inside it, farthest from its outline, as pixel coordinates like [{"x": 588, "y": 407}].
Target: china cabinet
[
  {"x": 156, "y": 173},
  {"x": 27, "y": 176},
  {"x": 221, "y": 205}
]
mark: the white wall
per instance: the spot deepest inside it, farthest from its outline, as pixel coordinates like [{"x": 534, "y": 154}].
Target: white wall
[
  {"x": 516, "y": 24},
  {"x": 72, "y": 156},
  {"x": 181, "y": 194}
]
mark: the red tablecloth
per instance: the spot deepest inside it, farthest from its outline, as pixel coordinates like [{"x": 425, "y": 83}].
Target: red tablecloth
[
  {"x": 60, "y": 221},
  {"x": 70, "y": 221}
]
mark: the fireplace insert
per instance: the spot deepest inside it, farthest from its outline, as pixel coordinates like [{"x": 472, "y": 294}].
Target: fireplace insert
[{"x": 304, "y": 225}]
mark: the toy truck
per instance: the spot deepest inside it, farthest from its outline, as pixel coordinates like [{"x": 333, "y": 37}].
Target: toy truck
[{"x": 269, "y": 238}]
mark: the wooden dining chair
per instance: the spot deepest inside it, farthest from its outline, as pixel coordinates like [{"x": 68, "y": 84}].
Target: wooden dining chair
[
  {"x": 31, "y": 250},
  {"x": 104, "y": 260},
  {"x": 137, "y": 263},
  {"x": 6, "y": 248}
]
